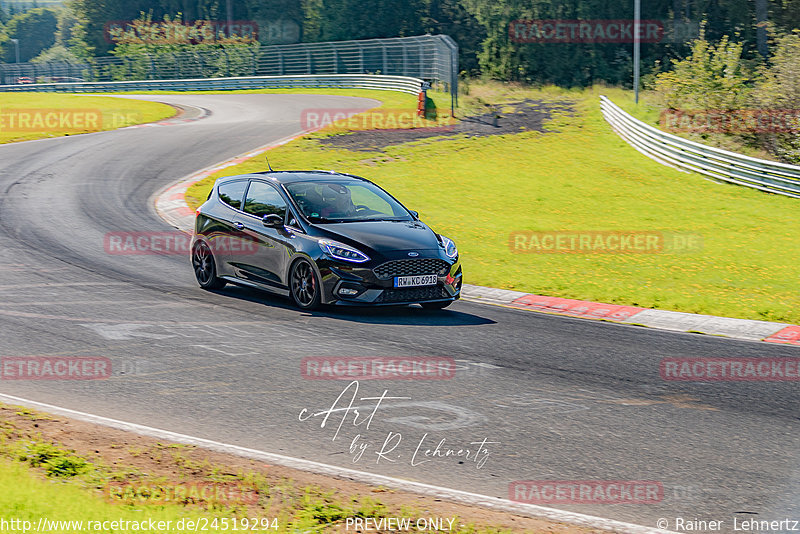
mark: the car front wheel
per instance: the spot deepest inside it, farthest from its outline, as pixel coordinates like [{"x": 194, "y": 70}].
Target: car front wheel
[{"x": 304, "y": 286}]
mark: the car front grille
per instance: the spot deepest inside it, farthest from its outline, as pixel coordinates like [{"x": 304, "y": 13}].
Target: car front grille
[
  {"x": 413, "y": 294},
  {"x": 390, "y": 269}
]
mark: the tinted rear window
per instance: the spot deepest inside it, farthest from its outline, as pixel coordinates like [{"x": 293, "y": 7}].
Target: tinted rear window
[{"x": 232, "y": 193}]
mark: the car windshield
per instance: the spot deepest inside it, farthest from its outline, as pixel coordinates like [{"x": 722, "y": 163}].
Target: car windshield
[{"x": 339, "y": 201}]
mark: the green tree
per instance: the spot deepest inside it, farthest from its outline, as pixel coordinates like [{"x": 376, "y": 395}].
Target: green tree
[
  {"x": 786, "y": 14},
  {"x": 712, "y": 77},
  {"x": 36, "y": 31},
  {"x": 66, "y": 22},
  {"x": 180, "y": 50},
  {"x": 504, "y": 57},
  {"x": 449, "y": 17},
  {"x": 57, "y": 53},
  {"x": 778, "y": 88},
  {"x": 340, "y": 20}
]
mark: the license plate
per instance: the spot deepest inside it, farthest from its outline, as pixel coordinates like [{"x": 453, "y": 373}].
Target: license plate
[{"x": 414, "y": 281}]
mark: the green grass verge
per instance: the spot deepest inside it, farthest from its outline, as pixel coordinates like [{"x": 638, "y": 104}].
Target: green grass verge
[
  {"x": 580, "y": 177},
  {"x": 29, "y": 498},
  {"x": 25, "y": 116},
  {"x": 42, "y": 480}
]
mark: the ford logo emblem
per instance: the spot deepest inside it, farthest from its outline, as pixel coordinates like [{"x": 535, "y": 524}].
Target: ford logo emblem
[{"x": 413, "y": 254}]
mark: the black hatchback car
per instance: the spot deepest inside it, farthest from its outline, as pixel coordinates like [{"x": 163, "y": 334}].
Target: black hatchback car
[{"x": 321, "y": 238}]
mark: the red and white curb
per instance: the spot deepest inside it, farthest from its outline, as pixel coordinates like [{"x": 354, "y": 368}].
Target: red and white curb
[
  {"x": 665, "y": 320},
  {"x": 170, "y": 202},
  {"x": 173, "y": 121},
  {"x": 171, "y": 206}
]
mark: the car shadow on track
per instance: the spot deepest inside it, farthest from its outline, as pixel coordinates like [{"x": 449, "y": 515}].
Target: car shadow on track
[{"x": 395, "y": 315}]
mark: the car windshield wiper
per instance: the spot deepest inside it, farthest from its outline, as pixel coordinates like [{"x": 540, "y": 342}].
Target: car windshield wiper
[
  {"x": 375, "y": 219},
  {"x": 393, "y": 219}
]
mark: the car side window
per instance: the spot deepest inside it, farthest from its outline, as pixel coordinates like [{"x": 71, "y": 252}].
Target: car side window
[
  {"x": 263, "y": 199},
  {"x": 232, "y": 193}
]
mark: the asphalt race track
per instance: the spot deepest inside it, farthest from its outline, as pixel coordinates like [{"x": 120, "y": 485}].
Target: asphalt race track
[{"x": 554, "y": 398}]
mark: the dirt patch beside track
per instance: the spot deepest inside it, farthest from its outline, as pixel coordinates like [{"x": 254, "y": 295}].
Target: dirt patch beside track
[{"x": 524, "y": 116}]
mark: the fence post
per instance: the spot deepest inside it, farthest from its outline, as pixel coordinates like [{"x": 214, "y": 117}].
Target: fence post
[{"x": 422, "y": 99}]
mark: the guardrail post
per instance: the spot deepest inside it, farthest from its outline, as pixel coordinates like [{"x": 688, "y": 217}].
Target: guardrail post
[{"x": 422, "y": 99}]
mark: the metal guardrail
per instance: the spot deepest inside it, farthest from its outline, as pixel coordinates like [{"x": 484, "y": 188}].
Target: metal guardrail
[
  {"x": 433, "y": 58},
  {"x": 403, "y": 84},
  {"x": 668, "y": 149}
]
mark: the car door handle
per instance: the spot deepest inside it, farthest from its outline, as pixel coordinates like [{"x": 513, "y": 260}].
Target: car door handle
[{"x": 238, "y": 225}]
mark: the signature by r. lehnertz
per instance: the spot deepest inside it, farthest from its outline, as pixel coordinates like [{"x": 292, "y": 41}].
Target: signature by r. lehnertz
[{"x": 425, "y": 449}]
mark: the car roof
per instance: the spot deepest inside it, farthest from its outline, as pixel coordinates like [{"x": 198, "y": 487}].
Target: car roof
[{"x": 284, "y": 177}]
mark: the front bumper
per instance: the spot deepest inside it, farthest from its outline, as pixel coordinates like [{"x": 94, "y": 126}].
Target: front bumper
[{"x": 352, "y": 285}]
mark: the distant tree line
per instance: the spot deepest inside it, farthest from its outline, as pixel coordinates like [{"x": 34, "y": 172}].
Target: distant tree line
[{"x": 480, "y": 27}]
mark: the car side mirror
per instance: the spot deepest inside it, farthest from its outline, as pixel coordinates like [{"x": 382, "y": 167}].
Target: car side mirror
[
  {"x": 415, "y": 214},
  {"x": 272, "y": 220}
]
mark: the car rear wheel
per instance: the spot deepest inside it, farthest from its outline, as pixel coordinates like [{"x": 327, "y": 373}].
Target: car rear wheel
[
  {"x": 304, "y": 286},
  {"x": 205, "y": 269},
  {"x": 436, "y": 305}
]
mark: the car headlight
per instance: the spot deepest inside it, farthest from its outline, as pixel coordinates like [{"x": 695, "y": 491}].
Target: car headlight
[
  {"x": 342, "y": 252},
  {"x": 449, "y": 247}
]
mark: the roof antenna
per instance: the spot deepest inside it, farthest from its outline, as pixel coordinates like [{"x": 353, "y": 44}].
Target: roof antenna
[{"x": 268, "y": 165}]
